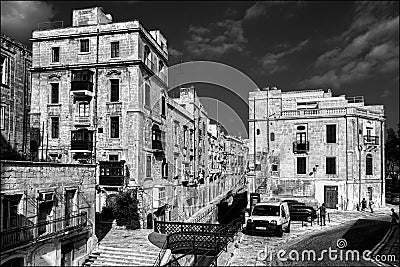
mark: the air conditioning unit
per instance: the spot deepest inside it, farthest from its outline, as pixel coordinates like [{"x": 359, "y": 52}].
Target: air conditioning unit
[{"x": 48, "y": 196}]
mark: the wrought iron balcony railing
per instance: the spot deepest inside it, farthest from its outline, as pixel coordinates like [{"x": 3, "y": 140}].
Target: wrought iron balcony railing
[
  {"x": 301, "y": 147},
  {"x": 82, "y": 121},
  {"x": 369, "y": 139},
  {"x": 26, "y": 234},
  {"x": 81, "y": 145}
]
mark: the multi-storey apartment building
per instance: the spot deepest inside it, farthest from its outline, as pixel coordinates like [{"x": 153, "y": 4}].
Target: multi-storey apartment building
[
  {"x": 15, "y": 61},
  {"x": 320, "y": 146},
  {"x": 47, "y": 213},
  {"x": 99, "y": 96}
]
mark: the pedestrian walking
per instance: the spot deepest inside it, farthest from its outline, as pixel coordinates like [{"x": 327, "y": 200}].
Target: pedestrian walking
[
  {"x": 363, "y": 204},
  {"x": 395, "y": 218},
  {"x": 322, "y": 213},
  {"x": 371, "y": 203}
]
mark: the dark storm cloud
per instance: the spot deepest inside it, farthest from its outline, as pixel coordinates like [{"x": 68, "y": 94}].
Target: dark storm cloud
[
  {"x": 20, "y": 18},
  {"x": 368, "y": 47}
]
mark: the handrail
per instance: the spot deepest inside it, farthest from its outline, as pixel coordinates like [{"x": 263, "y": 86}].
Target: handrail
[{"x": 160, "y": 256}]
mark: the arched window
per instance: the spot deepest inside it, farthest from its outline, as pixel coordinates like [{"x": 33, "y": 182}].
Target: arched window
[{"x": 368, "y": 168}]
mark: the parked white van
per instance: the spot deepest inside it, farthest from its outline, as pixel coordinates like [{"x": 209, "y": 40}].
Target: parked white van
[{"x": 269, "y": 217}]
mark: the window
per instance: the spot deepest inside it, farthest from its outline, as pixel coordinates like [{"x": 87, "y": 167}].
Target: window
[
  {"x": 164, "y": 168},
  {"x": 147, "y": 95},
  {"x": 301, "y": 138},
  {"x": 114, "y": 49},
  {"x": 55, "y": 127},
  {"x": 70, "y": 206},
  {"x": 161, "y": 196},
  {"x": 163, "y": 106},
  {"x": 3, "y": 118},
  {"x": 148, "y": 166},
  {"x": 114, "y": 90},
  {"x": 3, "y": 71},
  {"x": 160, "y": 66},
  {"x": 114, "y": 127},
  {"x": 55, "y": 93},
  {"x": 331, "y": 133},
  {"x": 10, "y": 210},
  {"x": 85, "y": 45},
  {"x": 176, "y": 136},
  {"x": 272, "y": 137},
  {"x": 55, "y": 52},
  {"x": 274, "y": 167},
  {"x": 368, "y": 167},
  {"x": 301, "y": 165},
  {"x": 83, "y": 109},
  {"x": 330, "y": 165},
  {"x": 113, "y": 157}
]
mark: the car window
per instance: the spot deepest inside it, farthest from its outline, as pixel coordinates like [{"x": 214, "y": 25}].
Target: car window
[
  {"x": 264, "y": 210},
  {"x": 283, "y": 213}
]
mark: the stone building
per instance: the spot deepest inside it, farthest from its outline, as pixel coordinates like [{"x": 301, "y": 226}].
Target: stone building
[
  {"x": 15, "y": 61},
  {"x": 99, "y": 96},
  {"x": 47, "y": 213},
  {"x": 319, "y": 146}
]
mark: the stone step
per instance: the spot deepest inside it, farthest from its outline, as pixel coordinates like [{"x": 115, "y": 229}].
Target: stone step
[
  {"x": 115, "y": 262},
  {"x": 126, "y": 251},
  {"x": 113, "y": 258},
  {"x": 128, "y": 256}
]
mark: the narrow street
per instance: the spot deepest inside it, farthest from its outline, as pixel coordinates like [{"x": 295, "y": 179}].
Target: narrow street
[{"x": 250, "y": 250}]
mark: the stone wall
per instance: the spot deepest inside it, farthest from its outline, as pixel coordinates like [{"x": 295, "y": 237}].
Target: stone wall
[
  {"x": 15, "y": 99},
  {"x": 29, "y": 179}
]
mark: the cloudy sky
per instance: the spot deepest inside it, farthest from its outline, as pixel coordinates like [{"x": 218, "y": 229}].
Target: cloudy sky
[{"x": 350, "y": 47}]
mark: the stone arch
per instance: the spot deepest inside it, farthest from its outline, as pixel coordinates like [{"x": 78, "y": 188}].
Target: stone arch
[{"x": 14, "y": 260}]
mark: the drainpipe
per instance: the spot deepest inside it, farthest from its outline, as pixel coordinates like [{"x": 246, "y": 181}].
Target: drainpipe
[
  {"x": 359, "y": 162},
  {"x": 382, "y": 163},
  {"x": 347, "y": 172}
]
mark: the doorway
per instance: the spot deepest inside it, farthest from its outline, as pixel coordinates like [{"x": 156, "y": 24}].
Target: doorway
[
  {"x": 331, "y": 196},
  {"x": 67, "y": 254}
]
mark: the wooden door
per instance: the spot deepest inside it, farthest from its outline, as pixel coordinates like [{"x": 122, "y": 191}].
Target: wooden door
[{"x": 331, "y": 196}]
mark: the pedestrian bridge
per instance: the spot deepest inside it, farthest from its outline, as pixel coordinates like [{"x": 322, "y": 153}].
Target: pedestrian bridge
[{"x": 195, "y": 238}]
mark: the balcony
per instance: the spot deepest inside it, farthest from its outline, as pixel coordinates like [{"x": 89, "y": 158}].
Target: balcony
[
  {"x": 112, "y": 173},
  {"x": 301, "y": 147},
  {"x": 81, "y": 121},
  {"x": 14, "y": 237},
  {"x": 81, "y": 145},
  {"x": 82, "y": 140},
  {"x": 371, "y": 140},
  {"x": 81, "y": 83}
]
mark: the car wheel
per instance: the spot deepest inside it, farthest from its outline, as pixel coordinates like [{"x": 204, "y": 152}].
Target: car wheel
[
  {"x": 288, "y": 228},
  {"x": 279, "y": 232}
]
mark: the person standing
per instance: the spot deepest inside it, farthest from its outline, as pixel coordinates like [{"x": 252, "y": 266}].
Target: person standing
[
  {"x": 322, "y": 213},
  {"x": 395, "y": 218},
  {"x": 363, "y": 204},
  {"x": 371, "y": 203}
]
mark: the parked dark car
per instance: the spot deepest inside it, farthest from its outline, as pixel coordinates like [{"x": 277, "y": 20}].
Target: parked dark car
[
  {"x": 292, "y": 202},
  {"x": 301, "y": 212}
]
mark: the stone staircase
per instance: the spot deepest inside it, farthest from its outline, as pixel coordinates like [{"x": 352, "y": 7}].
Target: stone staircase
[{"x": 111, "y": 256}]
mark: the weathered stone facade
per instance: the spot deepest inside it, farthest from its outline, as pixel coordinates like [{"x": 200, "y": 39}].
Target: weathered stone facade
[
  {"x": 16, "y": 59},
  {"x": 339, "y": 139},
  {"x": 48, "y": 213}
]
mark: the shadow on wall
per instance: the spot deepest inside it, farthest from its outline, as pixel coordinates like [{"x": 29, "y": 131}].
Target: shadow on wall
[{"x": 31, "y": 153}]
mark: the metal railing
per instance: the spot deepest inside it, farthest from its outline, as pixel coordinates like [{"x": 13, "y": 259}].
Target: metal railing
[
  {"x": 301, "y": 147},
  {"x": 206, "y": 238},
  {"x": 32, "y": 233},
  {"x": 81, "y": 120},
  {"x": 369, "y": 139},
  {"x": 161, "y": 254}
]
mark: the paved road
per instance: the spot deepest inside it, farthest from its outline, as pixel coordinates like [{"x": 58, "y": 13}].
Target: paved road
[{"x": 248, "y": 250}]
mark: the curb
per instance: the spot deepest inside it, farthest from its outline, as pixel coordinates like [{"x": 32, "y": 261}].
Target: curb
[{"x": 379, "y": 247}]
